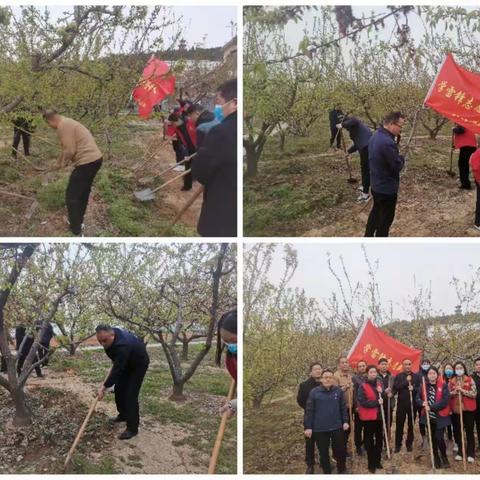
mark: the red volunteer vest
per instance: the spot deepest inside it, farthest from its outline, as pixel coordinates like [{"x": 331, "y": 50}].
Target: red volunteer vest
[
  {"x": 444, "y": 412},
  {"x": 466, "y": 139},
  {"x": 366, "y": 413},
  {"x": 469, "y": 404}
]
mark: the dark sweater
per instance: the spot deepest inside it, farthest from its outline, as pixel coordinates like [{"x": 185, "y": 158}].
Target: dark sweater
[
  {"x": 127, "y": 353},
  {"x": 304, "y": 390},
  {"x": 326, "y": 410},
  {"x": 360, "y": 134},
  {"x": 386, "y": 163},
  {"x": 400, "y": 387}
]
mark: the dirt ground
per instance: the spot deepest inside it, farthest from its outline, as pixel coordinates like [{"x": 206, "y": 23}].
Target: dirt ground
[
  {"x": 273, "y": 444},
  {"x": 112, "y": 207},
  {"x": 307, "y": 194}
]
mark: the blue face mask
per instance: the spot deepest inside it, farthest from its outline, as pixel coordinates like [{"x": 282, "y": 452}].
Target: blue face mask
[
  {"x": 218, "y": 112},
  {"x": 449, "y": 372},
  {"x": 232, "y": 348}
]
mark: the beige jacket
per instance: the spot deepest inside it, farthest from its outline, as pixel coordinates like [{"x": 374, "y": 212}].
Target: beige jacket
[
  {"x": 345, "y": 380},
  {"x": 78, "y": 144}
]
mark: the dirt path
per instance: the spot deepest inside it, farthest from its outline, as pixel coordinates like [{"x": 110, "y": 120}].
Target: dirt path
[{"x": 153, "y": 451}]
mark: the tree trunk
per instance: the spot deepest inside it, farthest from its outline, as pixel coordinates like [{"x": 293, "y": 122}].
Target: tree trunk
[
  {"x": 282, "y": 141},
  {"x": 177, "y": 392},
  {"x": 257, "y": 400},
  {"x": 253, "y": 155},
  {"x": 72, "y": 349},
  {"x": 23, "y": 415},
  {"x": 185, "y": 350}
]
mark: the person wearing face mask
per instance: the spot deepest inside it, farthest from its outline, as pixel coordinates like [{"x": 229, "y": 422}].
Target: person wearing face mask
[
  {"x": 326, "y": 420},
  {"x": 405, "y": 386},
  {"x": 447, "y": 376},
  {"x": 358, "y": 430},
  {"x": 227, "y": 341},
  {"x": 215, "y": 167},
  {"x": 476, "y": 379},
  {"x": 423, "y": 372},
  {"x": 370, "y": 402},
  {"x": 434, "y": 402},
  {"x": 462, "y": 383},
  {"x": 304, "y": 389},
  {"x": 385, "y": 163}
]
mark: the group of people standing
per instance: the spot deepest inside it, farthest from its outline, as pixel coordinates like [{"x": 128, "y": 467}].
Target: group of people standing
[
  {"x": 381, "y": 163},
  {"x": 364, "y": 404}
]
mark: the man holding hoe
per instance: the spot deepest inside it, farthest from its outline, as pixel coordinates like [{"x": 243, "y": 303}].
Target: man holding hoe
[{"x": 79, "y": 150}]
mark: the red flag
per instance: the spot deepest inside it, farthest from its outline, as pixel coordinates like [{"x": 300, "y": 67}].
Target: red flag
[
  {"x": 156, "y": 84},
  {"x": 372, "y": 344},
  {"x": 455, "y": 94}
]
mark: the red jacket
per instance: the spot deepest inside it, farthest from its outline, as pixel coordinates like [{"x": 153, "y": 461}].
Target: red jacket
[
  {"x": 231, "y": 365},
  {"x": 465, "y": 139},
  {"x": 444, "y": 412},
  {"x": 368, "y": 413},
  {"x": 468, "y": 404},
  {"x": 475, "y": 165},
  {"x": 192, "y": 130}
]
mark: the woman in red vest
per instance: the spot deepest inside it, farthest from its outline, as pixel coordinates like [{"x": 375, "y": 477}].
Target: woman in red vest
[
  {"x": 369, "y": 404},
  {"x": 466, "y": 142},
  {"x": 435, "y": 401},
  {"x": 462, "y": 383},
  {"x": 227, "y": 341},
  {"x": 475, "y": 166}
]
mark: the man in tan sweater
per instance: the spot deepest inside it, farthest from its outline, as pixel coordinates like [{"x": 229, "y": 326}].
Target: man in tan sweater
[{"x": 80, "y": 151}]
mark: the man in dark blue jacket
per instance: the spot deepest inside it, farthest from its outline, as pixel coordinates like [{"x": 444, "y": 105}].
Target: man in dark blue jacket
[
  {"x": 215, "y": 167},
  {"x": 326, "y": 420},
  {"x": 360, "y": 135},
  {"x": 130, "y": 363},
  {"x": 335, "y": 116},
  {"x": 386, "y": 163}
]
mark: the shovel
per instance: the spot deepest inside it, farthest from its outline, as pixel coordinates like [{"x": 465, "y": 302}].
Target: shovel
[
  {"x": 347, "y": 156},
  {"x": 451, "y": 172},
  {"x": 148, "y": 194}
]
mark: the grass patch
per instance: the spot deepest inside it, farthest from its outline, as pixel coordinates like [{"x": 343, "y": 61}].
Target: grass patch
[
  {"x": 84, "y": 465},
  {"x": 52, "y": 196}
]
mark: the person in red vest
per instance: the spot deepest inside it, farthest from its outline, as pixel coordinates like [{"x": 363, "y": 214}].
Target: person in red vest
[
  {"x": 369, "y": 403},
  {"x": 466, "y": 142},
  {"x": 462, "y": 383},
  {"x": 170, "y": 133},
  {"x": 436, "y": 404},
  {"x": 227, "y": 340},
  {"x": 185, "y": 132},
  {"x": 475, "y": 166}
]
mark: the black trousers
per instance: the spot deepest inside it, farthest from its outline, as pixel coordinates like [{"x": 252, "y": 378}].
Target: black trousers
[
  {"x": 127, "y": 390},
  {"x": 310, "y": 451},
  {"x": 17, "y": 136},
  {"x": 358, "y": 433},
  {"x": 464, "y": 165},
  {"x": 365, "y": 169},
  {"x": 437, "y": 439},
  {"x": 21, "y": 360},
  {"x": 335, "y": 134},
  {"x": 187, "y": 179},
  {"x": 381, "y": 217},
  {"x": 404, "y": 412},
  {"x": 78, "y": 191},
  {"x": 477, "y": 208},
  {"x": 468, "y": 425},
  {"x": 477, "y": 422},
  {"x": 373, "y": 442},
  {"x": 3, "y": 365},
  {"x": 337, "y": 439},
  {"x": 179, "y": 150}
]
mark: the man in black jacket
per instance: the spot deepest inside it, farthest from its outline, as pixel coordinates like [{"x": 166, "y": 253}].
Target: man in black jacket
[
  {"x": 304, "y": 390},
  {"x": 335, "y": 116},
  {"x": 386, "y": 378},
  {"x": 405, "y": 386},
  {"x": 357, "y": 380},
  {"x": 386, "y": 163},
  {"x": 130, "y": 363},
  {"x": 360, "y": 135},
  {"x": 326, "y": 420},
  {"x": 215, "y": 167}
]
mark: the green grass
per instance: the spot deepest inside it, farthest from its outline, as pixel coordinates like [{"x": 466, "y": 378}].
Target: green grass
[
  {"x": 52, "y": 196},
  {"x": 85, "y": 466}
]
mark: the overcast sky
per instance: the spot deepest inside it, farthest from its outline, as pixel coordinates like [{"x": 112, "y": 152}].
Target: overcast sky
[
  {"x": 197, "y": 21},
  {"x": 398, "y": 263}
]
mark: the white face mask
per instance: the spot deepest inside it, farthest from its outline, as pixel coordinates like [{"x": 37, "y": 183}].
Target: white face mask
[{"x": 459, "y": 372}]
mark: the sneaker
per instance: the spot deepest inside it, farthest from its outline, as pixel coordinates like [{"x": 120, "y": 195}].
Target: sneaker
[
  {"x": 458, "y": 458},
  {"x": 470, "y": 460},
  {"x": 363, "y": 197},
  {"x": 455, "y": 448},
  {"x": 477, "y": 227},
  {"x": 179, "y": 168}
]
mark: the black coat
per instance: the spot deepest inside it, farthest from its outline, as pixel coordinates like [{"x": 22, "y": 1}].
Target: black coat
[
  {"x": 334, "y": 117},
  {"x": 400, "y": 387},
  {"x": 359, "y": 133},
  {"x": 127, "y": 353},
  {"x": 304, "y": 390},
  {"x": 215, "y": 167}
]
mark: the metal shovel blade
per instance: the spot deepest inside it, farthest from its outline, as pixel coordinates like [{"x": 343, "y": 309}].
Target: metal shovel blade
[{"x": 144, "y": 195}]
